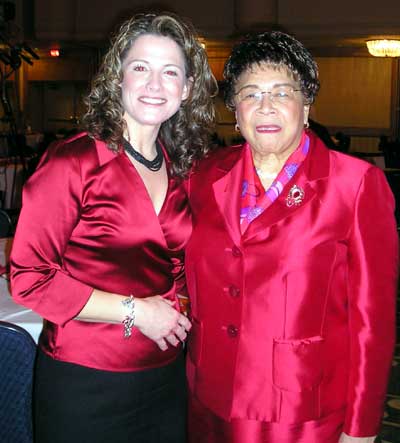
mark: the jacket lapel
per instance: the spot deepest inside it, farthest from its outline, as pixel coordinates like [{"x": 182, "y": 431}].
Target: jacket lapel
[
  {"x": 227, "y": 190},
  {"x": 315, "y": 167}
]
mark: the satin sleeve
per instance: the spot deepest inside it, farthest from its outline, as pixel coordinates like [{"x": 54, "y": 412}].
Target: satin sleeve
[
  {"x": 372, "y": 280},
  {"x": 50, "y": 211}
]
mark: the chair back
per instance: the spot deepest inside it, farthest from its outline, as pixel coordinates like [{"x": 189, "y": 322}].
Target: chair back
[
  {"x": 17, "y": 357},
  {"x": 5, "y": 224}
]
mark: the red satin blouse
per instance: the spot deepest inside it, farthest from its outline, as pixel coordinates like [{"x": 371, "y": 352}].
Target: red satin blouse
[{"x": 87, "y": 222}]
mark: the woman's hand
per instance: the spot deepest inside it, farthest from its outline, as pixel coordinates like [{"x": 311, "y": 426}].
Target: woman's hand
[
  {"x": 155, "y": 316},
  {"x": 344, "y": 438},
  {"x": 158, "y": 320}
]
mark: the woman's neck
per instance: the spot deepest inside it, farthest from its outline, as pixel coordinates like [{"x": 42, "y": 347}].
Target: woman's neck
[
  {"x": 268, "y": 166},
  {"x": 143, "y": 141}
]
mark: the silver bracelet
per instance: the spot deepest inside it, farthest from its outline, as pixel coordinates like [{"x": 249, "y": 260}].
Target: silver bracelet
[{"x": 129, "y": 320}]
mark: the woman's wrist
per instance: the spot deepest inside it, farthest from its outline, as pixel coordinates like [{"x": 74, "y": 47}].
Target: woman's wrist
[
  {"x": 129, "y": 320},
  {"x": 140, "y": 312}
]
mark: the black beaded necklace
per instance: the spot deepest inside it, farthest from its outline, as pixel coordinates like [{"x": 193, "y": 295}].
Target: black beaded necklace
[{"x": 154, "y": 165}]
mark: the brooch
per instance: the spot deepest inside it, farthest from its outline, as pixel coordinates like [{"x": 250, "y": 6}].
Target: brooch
[{"x": 295, "y": 196}]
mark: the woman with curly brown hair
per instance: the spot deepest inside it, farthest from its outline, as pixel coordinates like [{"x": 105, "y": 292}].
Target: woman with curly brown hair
[{"x": 98, "y": 250}]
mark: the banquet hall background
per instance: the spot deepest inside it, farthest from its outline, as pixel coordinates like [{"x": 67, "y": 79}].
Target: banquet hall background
[{"x": 49, "y": 51}]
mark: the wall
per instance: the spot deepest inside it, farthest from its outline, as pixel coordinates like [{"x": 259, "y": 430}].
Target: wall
[
  {"x": 358, "y": 96},
  {"x": 355, "y": 93},
  {"x": 359, "y": 93},
  {"x": 93, "y": 19},
  {"x": 354, "y": 17}
]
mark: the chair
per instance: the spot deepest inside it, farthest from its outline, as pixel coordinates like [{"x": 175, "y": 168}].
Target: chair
[
  {"x": 5, "y": 224},
  {"x": 17, "y": 356}
]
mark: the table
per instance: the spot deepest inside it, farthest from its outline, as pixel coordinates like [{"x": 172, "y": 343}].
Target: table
[{"x": 9, "y": 310}]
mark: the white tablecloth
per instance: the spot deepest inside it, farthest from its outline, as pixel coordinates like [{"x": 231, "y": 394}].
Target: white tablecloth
[{"x": 9, "y": 310}]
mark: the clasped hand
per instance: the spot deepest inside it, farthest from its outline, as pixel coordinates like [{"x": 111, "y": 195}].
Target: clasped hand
[{"x": 159, "y": 320}]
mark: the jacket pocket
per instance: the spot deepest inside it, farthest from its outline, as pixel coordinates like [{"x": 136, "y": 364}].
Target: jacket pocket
[
  {"x": 297, "y": 364},
  {"x": 195, "y": 341}
]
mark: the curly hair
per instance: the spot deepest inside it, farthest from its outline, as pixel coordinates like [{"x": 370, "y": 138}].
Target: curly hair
[
  {"x": 276, "y": 50},
  {"x": 186, "y": 134}
]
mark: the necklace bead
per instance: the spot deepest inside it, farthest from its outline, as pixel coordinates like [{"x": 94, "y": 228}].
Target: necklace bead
[{"x": 153, "y": 165}]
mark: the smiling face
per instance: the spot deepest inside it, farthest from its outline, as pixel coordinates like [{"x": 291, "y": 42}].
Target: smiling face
[
  {"x": 270, "y": 126},
  {"x": 154, "y": 81}
]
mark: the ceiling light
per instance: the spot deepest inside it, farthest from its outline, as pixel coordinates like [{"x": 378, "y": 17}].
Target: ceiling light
[{"x": 384, "y": 48}]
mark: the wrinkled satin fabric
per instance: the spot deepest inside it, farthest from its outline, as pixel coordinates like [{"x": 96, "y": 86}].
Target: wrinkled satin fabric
[
  {"x": 206, "y": 427},
  {"x": 87, "y": 222},
  {"x": 293, "y": 321}
]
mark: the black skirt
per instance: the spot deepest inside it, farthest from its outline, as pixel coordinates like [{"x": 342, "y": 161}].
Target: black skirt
[{"x": 76, "y": 404}]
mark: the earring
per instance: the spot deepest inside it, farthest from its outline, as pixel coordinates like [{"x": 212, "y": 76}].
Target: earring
[
  {"x": 306, "y": 125},
  {"x": 237, "y": 129}
]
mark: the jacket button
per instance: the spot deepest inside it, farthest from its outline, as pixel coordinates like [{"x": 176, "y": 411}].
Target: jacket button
[
  {"x": 236, "y": 252},
  {"x": 232, "y": 331},
  {"x": 234, "y": 291}
]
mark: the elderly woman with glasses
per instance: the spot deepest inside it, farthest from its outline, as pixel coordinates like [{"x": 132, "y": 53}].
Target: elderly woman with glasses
[{"x": 293, "y": 297}]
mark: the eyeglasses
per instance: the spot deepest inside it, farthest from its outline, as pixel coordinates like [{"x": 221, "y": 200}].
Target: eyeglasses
[{"x": 278, "y": 94}]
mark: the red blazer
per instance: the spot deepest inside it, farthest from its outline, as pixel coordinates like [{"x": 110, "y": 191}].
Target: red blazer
[{"x": 294, "y": 319}]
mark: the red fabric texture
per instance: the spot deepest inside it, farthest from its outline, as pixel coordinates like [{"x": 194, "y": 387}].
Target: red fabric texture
[
  {"x": 206, "y": 427},
  {"x": 87, "y": 222},
  {"x": 293, "y": 321}
]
